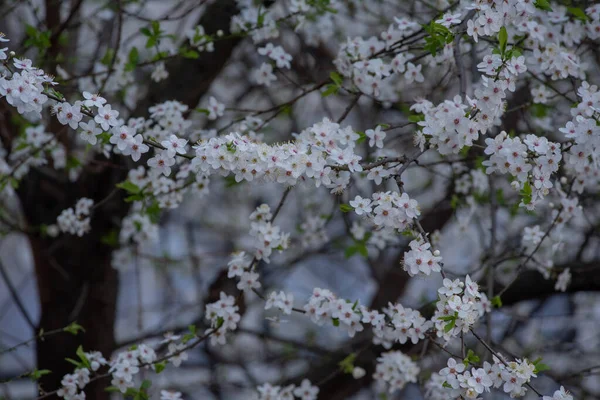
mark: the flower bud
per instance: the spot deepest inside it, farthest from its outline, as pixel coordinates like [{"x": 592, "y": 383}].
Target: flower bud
[
  {"x": 358, "y": 372},
  {"x": 436, "y": 253}
]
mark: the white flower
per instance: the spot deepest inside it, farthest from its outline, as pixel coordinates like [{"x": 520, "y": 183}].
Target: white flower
[
  {"x": 161, "y": 163},
  {"x": 563, "y": 280},
  {"x": 89, "y": 132},
  {"x": 306, "y": 391},
  {"x": 175, "y": 145},
  {"x": 215, "y": 109}
]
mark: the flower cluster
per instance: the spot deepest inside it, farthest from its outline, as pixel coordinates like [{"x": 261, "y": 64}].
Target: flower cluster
[
  {"x": 128, "y": 363},
  {"x": 25, "y": 89},
  {"x": 581, "y": 160},
  {"x": 420, "y": 259},
  {"x": 323, "y": 306},
  {"x": 277, "y": 54},
  {"x": 200, "y": 40},
  {"x": 394, "y": 370},
  {"x": 313, "y": 232},
  {"x": 223, "y": 316},
  {"x": 388, "y": 209},
  {"x": 456, "y": 381},
  {"x": 282, "y": 301},
  {"x": 267, "y": 237},
  {"x": 405, "y": 324},
  {"x": 560, "y": 394},
  {"x": 531, "y": 161},
  {"x": 306, "y": 158},
  {"x": 76, "y": 222},
  {"x": 72, "y": 383},
  {"x": 306, "y": 391},
  {"x": 459, "y": 307}
]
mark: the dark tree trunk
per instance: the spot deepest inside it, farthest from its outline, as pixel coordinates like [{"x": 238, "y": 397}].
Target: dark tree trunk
[{"x": 75, "y": 279}]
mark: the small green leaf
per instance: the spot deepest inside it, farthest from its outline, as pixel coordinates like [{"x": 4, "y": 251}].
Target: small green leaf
[
  {"x": 416, "y": 118},
  {"x": 526, "y": 193},
  {"x": 81, "y": 354},
  {"x": 350, "y": 251},
  {"x": 159, "y": 367},
  {"x": 346, "y": 208},
  {"x": 496, "y": 301},
  {"x": 446, "y": 385},
  {"x": 502, "y": 39},
  {"x": 75, "y": 363},
  {"x": 335, "y": 321},
  {"x": 73, "y": 328},
  {"x": 361, "y": 137},
  {"x": 146, "y": 384},
  {"x": 448, "y": 327},
  {"x": 111, "y": 238},
  {"x": 129, "y": 187},
  {"x": 330, "y": 89},
  {"x": 155, "y": 28},
  {"x": 578, "y": 13},
  {"x": 132, "y": 59},
  {"x": 191, "y": 54},
  {"x": 347, "y": 364},
  {"x": 38, "y": 373},
  {"x": 543, "y": 5},
  {"x": 336, "y": 78},
  {"x": 153, "y": 212}
]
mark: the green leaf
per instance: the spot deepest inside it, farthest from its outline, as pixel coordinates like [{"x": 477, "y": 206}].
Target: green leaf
[
  {"x": 230, "y": 181},
  {"x": 38, "y": 373},
  {"x": 578, "y": 13},
  {"x": 471, "y": 358},
  {"x": 543, "y": 5},
  {"x": 192, "y": 54},
  {"x": 155, "y": 28},
  {"x": 112, "y": 389},
  {"x": 129, "y": 187},
  {"x": 335, "y": 321},
  {"x": 496, "y": 301},
  {"x": 132, "y": 59},
  {"x": 145, "y": 31},
  {"x": 362, "y": 250},
  {"x": 448, "y": 327},
  {"x": 362, "y": 137},
  {"x": 153, "y": 211},
  {"x": 75, "y": 363},
  {"x": 146, "y": 384},
  {"x": 526, "y": 193},
  {"x": 541, "y": 367},
  {"x": 330, "y": 89},
  {"x": 81, "y": 354},
  {"x": 502, "y": 39},
  {"x": 134, "y": 197},
  {"x": 73, "y": 328},
  {"x": 108, "y": 56},
  {"x": 347, "y": 364},
  {"x": 446, "y": 385},
  {"x": 346, "y": 208},
  {"x": 416, "y": 118},
  {"x": 111, "y": 238},
  {"x": 159, "y": 367},
  {"x": 73, "y": 162},
  {"x": 350, "y": 251},
  {"x": 336, "y": 78}
]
